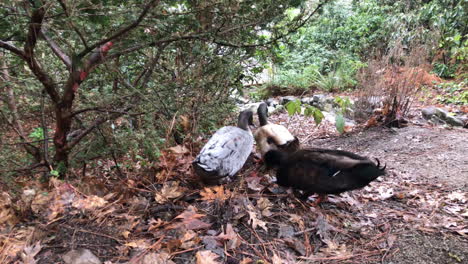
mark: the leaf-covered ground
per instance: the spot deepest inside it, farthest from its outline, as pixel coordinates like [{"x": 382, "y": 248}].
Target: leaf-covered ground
[{"x": 416, "y": 214}]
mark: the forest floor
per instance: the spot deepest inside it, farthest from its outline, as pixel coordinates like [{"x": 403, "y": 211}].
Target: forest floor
[{"x": 417, "y": 213}]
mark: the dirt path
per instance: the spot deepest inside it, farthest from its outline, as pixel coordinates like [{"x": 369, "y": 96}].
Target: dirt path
[{"x": 431, "y": 156}]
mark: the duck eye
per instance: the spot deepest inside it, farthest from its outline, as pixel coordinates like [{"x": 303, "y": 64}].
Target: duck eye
[{"x": 270, "y": 140}]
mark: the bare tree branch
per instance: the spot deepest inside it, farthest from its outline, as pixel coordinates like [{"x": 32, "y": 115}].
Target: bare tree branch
[
  {"x": 56, "y": 49},
  {"x": 78, "y": 32},
  {"x": 96, "y": 123},
  {"x": 34, "y": 30},
  {"x": 124, "y": 30},
  {"x": 12, "y": 48}
]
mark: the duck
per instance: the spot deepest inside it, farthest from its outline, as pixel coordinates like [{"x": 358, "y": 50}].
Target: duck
[
  {"x": 226, "y": 151},
  {"x": 269, "y": 136},
  {"x": 323, "y": 171}
]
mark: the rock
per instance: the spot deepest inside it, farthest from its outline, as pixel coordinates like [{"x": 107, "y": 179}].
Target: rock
[
  {"x": 428, "y": 112},
  {"x": 441, "y": 113},
  {"x": 80, "y": 256},
  {"x": 242, "y": 100},
  {"x": 327, "y": 107},
  {"x": 287, "y": 99},
  {"x": 271, "y": 110},
  {"x": 440, "y": 116},
  {"x": 272, "y": 102},
  {"x": 453, "y": 121},
  {"x": 318, "y": 98},
  {"x": 252, "y": 106},
  {"x": 307, "y": 100}
]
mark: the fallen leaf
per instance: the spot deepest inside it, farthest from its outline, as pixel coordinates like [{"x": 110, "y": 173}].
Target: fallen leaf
[
  {"x": 276, "y": 259},
  {"x": 170, "y": 190},
  {"x": 207, "y": 257},
  {"x": 255, "y": 222},
  {"x": 7, "y": 214},
  {"x": 30, "y": 252},
  {"x": 254, "y": 183},
  {"x": 179, "y": 150},
  {"x": 190, "y": 219},
  {"x": 80, "y": 256},
  {"x": 155, "y": 258},
  {"x": 246, "y": 261},
  {"x": 189, "y": 239},
  {"x": 140, "y": 243},
  {"x": 89, "y": 203},
  {"x": 215, "y": 193},
  {"x": 231, "y": 237},
  {"x": 264, "y": 205}
]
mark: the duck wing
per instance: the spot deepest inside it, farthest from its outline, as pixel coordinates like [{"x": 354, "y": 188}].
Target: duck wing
[
  {"x": 335, "y": 160},
  {"x": 226, "y": 151}
]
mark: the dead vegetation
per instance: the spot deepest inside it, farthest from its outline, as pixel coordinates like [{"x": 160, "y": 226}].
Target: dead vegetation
[
  {"x": 164, "y": 215},
  {"x": 391, "y": 82}
]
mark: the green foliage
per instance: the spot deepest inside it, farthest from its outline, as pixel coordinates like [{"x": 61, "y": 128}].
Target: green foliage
[
  {"x": 344, "y": 107},
  {"x": 37, "y": 134},
  {"x": 346, "y": 34},
  {"x": 443, "y": 70},
  {"x": 453, "y": 93},
  {"x": 315, "y": 113},
  {"x": 293, "y": 107},
  {"x": 189, "y": 58},
  {"x": 340, "y": 123}
]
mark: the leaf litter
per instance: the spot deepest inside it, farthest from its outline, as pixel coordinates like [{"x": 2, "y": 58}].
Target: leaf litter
[{"x": 166, "y": 216}]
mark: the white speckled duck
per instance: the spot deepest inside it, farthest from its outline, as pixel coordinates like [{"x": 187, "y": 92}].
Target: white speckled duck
[{"x": 226, "y": 151}]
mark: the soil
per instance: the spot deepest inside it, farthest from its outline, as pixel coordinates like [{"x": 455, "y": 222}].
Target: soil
[
  {"x": 408, "y": 216},
  {"x": 429, "y": 156}
]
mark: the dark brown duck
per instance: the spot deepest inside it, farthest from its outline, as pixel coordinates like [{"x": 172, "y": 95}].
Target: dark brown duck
[{"x": 323, "y": 171}]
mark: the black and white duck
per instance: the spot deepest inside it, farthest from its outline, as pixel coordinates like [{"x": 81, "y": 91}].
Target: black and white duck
[
  {"x": 226, "y": 151},
  {"x": 323, "y": 171},
  {"x": 271, "y": 136}
]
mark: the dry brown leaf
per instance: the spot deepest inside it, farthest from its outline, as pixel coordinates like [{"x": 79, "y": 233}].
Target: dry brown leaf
[
  {"x": 179, "y": 150},
  {"x": 189, "y": 240},
  {"x": 30, "y": 252},
  {"x": 170, "y": 190},
  {"x": 140, "y": 243},
  {"x": 231, "y": 237},
  {"x": 207, "y": 257},
  {"x": 7, "y": 214},
  {"x": 255, "y": 222},
  {"x": 254, "y": 183},
  {"x": 190, "y": 219},
  {"x": 264, "y": 205},
  {"x": 156, "y": 258},
  {"x": 154, "y": 224},
  {"x": 246, "y": 261},
  {"x": 89, "y": 203},
  {"x": 335, "y": 249},
  {"x": 215, "y": 193},
  {"x": 276, "y": 259}
]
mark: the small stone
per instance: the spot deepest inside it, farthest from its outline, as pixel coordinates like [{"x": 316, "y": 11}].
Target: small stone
[
  {"x": 272, "y": 102},
  {"x": 307, "y": 100},
  {"x": 428, "y": 112},
  {"x": 318, "y": 98},
  {"x": 441, "y": 113},
  {"x": 287, "y": 99},
  {"x": 252, "y": 107},
  {"x": 80, "y": 256},
  {"x": 454, "y": 121}
]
